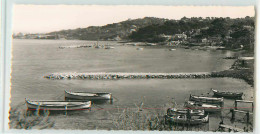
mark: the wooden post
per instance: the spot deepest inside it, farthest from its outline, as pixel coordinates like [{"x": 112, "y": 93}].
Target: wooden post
[
  {"x": 233, "y": 114},
  {"x": 252, "y": 107},
  {"x": 236, "y": 104},
  {"x": 65, "y": 109},
  {"x": 247, "y": 117},
  {"x": 38, "y": 108}
]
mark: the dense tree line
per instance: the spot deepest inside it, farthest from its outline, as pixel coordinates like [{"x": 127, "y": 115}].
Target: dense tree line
[{"x": 234, "y": 33}]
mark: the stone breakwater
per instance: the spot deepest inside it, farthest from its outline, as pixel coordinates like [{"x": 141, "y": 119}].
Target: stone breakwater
[{"x": 115, "y": 76}]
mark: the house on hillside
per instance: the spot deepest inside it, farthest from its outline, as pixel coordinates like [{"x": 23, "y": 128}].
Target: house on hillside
[
  {"x": 204, "y": 41},
  {"x": 166, "y": 37},
  {"x": 179, "y": 37},
  {"x": 215, "y": 40}
]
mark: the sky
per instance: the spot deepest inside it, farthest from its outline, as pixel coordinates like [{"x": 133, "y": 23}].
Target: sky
[{"x": 48, "y": 18}]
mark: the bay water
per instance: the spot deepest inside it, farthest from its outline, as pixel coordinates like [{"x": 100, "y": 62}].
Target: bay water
[{"x": 33, "y": 59}]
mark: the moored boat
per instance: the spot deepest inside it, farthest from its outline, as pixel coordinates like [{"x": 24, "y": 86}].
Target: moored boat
[
  {"x": 183, "y": 119},
  {"x": 227, "y": 94},
  {"x": 108, "y": 47},
  {"x": 139, "y": 48},
  {"x": 203, "y": 106},
  {"x": 174, "y": 111},
  {"x": 204, "y": 99},
  {"x": 88, "y": 95},
  {"x": 57, "y": 105}
]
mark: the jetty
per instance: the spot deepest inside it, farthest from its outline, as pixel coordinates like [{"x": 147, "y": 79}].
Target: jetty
[{"x": 117, "y": 75}]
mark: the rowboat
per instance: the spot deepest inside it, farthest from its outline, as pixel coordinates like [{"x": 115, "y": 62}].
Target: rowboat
[
  {"x": 227, "y": 94},
  {"x": 139, "y": 48},
  {"x": 203, "y": 106},
  {"x": 204, "y": 99},
  {"x": 88, "y": 96},
  {"x": 108, "y": 47},
  {"x": 223, "y": 128},
  {"x": 174, "y": 111},
  {"x": 182, "y": 119},
  {"x": 57, "y": 105}
]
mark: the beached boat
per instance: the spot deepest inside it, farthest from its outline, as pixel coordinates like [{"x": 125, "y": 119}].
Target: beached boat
[
  {"x": 182, "y": 119},
  {"x": 150, "y": 44},
  {"x": 97, "y": 46},
  {"x": 174, "y": 111},
  {"x": 204, "y": 99},
  {"x": 227, "y": 128},
  {"x": 172, "y": 49},
  {"x": 227, "y": 94},
  {"x": 88, "y": 96},
  {"x": 203, "y": 106},
  {"x": 108, "y": 47},
  {"x": 57, "y": 105},
  {"x": 139, "y": 48}
]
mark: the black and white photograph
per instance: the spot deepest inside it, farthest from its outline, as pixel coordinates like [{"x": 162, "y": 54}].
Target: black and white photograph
[{"x": 133, "y": 68}]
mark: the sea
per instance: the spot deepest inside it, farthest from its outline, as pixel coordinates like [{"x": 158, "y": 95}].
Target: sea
[{"x": 33, "y": 59}]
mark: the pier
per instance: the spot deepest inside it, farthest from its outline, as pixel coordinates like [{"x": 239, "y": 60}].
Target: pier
[
  {"x": 116, "y": 75},
  {"x": 246, "y": 113}
]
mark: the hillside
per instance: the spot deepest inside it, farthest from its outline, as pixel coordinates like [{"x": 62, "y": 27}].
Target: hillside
[
  {"x": 227, "y": 32},
  {"x": 115, "y": 31}
]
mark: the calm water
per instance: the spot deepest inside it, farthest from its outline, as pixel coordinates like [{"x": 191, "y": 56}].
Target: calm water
[{"x": 32, "y": 59}]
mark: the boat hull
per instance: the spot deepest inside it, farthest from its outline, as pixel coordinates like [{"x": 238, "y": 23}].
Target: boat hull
[
  {"x": 184, "y": 120},
  {"x": 227, "y": 94},
  {"x": 209, "y": 100},
  {"x": 88, "y": 96},
  {"x": 57, "y": 105},
  {"x": 172, "y": 111},
  {"x": 202, "y": 106}
]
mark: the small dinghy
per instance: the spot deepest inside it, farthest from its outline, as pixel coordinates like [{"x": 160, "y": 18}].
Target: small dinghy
[
  {"x": 227, "y": 94},
  {"x": 57, "y": 105},
  {"x": 174, "y": 111},
  {"x": 172, "y": 49},
  {"x": 202, "y": 106},
  {"x": 88, "y": 96},
  {"x": 204, "y": 99},
  {"x": 108, "y": 47},
  {"x": 183, "y": 119},
  {"x": 139, "y": 48}
]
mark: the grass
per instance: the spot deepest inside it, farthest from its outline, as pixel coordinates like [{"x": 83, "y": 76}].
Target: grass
[{"x": 20, "y": 118}]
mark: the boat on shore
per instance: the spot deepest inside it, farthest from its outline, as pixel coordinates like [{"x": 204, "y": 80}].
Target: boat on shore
[
  {"x": 139, "y": 48},
  {"x": 174, "y": 111},
  {"x": 57, "y": 105},
  {"x": 172, "y": 49},
  {"x": 183, "y": 119},
  {"x": 108, "y": 47},
  {"x": 88, "y": 95},
  {"x": 204, "y": 99},
  {"x": 203, "y": 106},
  {"x": 227, "y": 128},
  {"x": 227, "y": 94}
]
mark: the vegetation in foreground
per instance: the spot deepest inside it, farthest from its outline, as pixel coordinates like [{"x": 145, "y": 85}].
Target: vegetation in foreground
[{"x": 23, "y": 119}]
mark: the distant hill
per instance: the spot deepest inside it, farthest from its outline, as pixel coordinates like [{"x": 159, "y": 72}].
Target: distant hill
[{"x": 115, "y": 31}]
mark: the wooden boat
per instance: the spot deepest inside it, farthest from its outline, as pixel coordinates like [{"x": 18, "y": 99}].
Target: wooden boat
[
  {"x": 203, "y": 106},
  {"x": 174, "y": 111},
  {"x": 227, "y": 128},
  {"x": 182, "y": 119},
  {"x": 227, "y": 94},
  {"x": 139, "y": 48},
  {"x": 57, "y": 105},
  {"x": 204, "y": 99},
  {"x": 88, "y": 96},
  {"x": 109, "y": 47}
]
